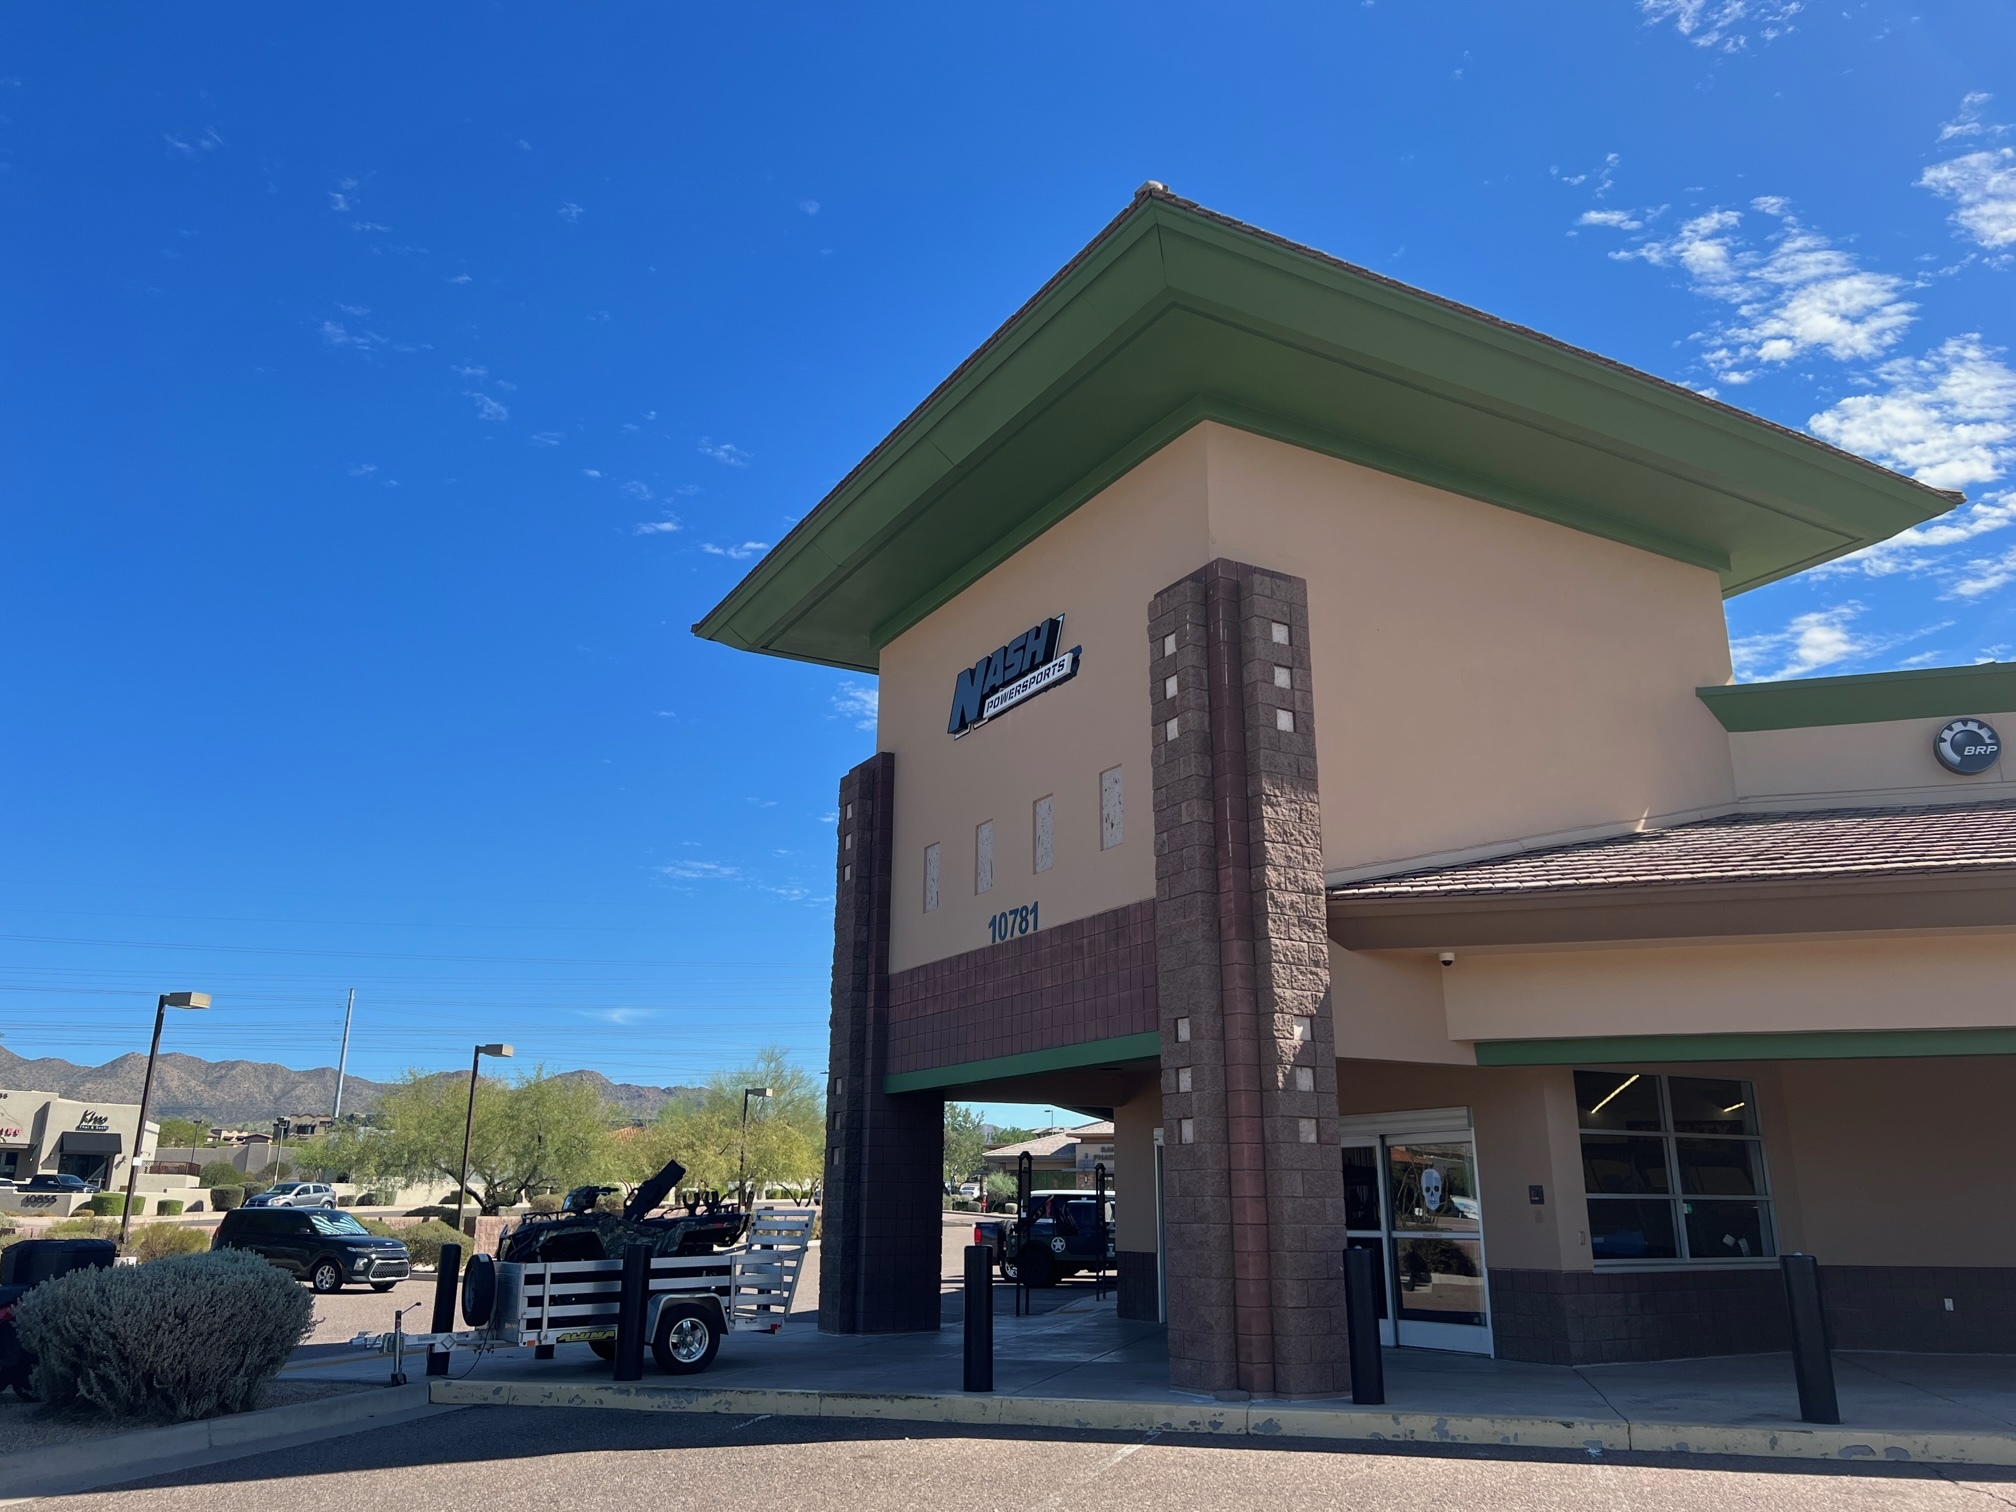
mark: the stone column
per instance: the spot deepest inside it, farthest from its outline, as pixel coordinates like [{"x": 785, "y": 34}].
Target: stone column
[
  {"x": 1253, "y": 1202},
  {"x": 879, "y": 1259}
]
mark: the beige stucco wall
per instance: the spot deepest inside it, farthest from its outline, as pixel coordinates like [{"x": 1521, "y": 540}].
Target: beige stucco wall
[
  {"x": 1887, "y": 762},
  {"x": 1916, "y": 981},
  {"x": 1480, "y": 676},
  {"x": 1525, "y": 1127},
  {"x": 1387, "y": 1005},
  {"x": 1134, "y": 1125},
  {"x": 1098, "y": 567}
]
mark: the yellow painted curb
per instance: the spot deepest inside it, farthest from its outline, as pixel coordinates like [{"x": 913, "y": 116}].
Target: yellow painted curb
[{"x": 1343, "y": 1424}]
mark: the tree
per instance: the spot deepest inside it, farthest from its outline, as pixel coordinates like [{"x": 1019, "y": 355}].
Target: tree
[
  {"x": 786, "y": 1138},
  {"x": 183, "y": 1133},
  {"x": 1010, "y": 1134},
  {"x": 538, "y": 1132},
  {"x": 964, "y": 1142}
]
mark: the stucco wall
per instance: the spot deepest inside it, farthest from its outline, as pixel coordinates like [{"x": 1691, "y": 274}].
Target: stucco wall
[
  {"x": 1387, "y": 1005},
  {"x": 1918, "y": 981},
  {"x": 1134, "y": 1125},
  {"x": 1886, "y": 762}
]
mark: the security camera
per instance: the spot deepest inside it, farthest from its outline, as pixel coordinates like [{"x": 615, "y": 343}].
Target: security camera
[{"x": 1447, "y": 958}]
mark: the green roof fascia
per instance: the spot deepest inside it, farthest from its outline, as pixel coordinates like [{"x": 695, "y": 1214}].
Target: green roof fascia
[
  {"x": 1851, "y": 1044},
  {"x": 1102, "y": 1052},
  {"x": 1174, "y": 315},
  {"x": 1928, "y": 693}
]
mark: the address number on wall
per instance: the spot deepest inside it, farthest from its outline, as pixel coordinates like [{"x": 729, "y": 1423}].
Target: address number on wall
[{"x": 1012, "y": 922}]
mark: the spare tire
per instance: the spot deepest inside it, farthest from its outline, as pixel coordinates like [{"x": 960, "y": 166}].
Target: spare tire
[{"x": 479, "y": 1290}]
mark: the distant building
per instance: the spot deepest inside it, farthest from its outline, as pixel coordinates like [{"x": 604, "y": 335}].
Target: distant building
[
  {"x": 1059, "y": 1156},
  {"x": 45, "y": 1134}
]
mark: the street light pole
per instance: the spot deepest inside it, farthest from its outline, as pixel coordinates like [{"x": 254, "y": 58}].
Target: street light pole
[
  {"x": 166, "y": 1001},
  {"x": 502, "y": 1052},
  {"x": 742, "y": 1159}
]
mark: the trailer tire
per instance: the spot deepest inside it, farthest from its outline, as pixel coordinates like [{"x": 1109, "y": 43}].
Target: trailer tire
[
  {"x": 479, "y": 1290},
  {"x": 605, "y": 1349},
  {"x": 687, "y": 1339}
]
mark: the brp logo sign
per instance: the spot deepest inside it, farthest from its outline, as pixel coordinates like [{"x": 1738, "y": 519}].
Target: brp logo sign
[{"x": 1967, "y": 746}]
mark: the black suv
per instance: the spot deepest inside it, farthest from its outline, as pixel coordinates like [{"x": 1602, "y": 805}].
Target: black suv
[{"x": 323, "y": 1248}]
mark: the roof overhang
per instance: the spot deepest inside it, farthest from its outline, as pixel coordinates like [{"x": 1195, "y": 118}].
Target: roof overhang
[
  {"x": 1973, "y": 899},
  {"x": 1173, "y": 316}
]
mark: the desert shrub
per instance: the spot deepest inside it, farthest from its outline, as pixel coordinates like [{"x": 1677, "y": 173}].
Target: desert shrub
[
  {"x": 611, "y": 1202},
  {"x": 223, "y": 1199},
  {"x": 444, "y": 1214},
  {"x": 83, "y": 1228},
  {"x": 142, "y": 1341},
  {"x": 423, "y": 1241},
  {"x": 158, "y": 1241},
  {"x": 545, "y": 1202},
  {"x": 216, "y": 1173},
  {"x": 112, "y": 1204},
  {"x": 961, "y": 1205},
  {"x": 253, "y": 1188},
  {"x": 169, "y": 1207}
]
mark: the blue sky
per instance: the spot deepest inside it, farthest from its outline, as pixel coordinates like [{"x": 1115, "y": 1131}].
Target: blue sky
[{"x": 387, "y": 392}]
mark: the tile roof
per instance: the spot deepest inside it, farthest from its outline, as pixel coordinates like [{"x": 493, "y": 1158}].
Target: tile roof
[{"x": 1819, "y": 845}]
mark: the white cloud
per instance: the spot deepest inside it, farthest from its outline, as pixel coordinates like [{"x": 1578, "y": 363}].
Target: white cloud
[
  {"x": 1623, "y": 220},
  {"x": 857, "y": 702},
  {"x": 724, "y": 451},
  {"x": 569, "y": 212},
  {"x": 740, "y": 553},
  {"x": 638, "y": 491},
  {"x": 1605, "y": 174},
  {"x": 591, "y": 472},
  {"x": 1948, "y": 418},
  {"x": 349, "y": 309},
  {"x": 1969, "y": 122},
  {"x": 657, "y": 527},
  {"x": 363, "y": 469},
  {"x": 618, "y": 1015},
  {"x": 461, "y": 278},
  {"x": 486, "y": 407},
  {"x": 1919, "y": 550},
  {"x": 700, "y": 871},
  {"x": 339, "y": 335},
  {"x": 1796, "y": 294},
  {"x": 1719, "y": 23},
  {"x": 1982, "y": 186},
  {"x": 809, "y": 206},
  {"x": 339, "y": 202},
  {"x": 471, "y": 370},
  {"x": 1813, "y": 642},
  {"x": 546, "y": 438},
  {"x": 1986, "y": 575}
]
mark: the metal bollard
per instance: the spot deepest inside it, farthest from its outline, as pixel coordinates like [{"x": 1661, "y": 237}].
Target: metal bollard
[
  {"x": 1812, "y": 1359},
  {"x": 1361, "y": 1326},
  {"x": 979, "y": 1318},
  {"x": 447, "y": 1272},
  {"x": 630, "y": 1309}
]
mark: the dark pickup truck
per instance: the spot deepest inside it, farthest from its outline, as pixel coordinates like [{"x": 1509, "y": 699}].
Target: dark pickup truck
[{"x": 1066, "y": 1236}]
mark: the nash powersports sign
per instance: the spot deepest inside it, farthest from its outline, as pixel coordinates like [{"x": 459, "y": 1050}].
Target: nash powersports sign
[{"x": 1027, "y": 665}]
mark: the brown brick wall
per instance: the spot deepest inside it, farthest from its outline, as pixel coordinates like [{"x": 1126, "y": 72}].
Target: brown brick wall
[{"x": 1090, "y": 979}]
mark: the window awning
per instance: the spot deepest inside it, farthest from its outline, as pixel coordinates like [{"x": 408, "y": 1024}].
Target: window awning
[{"x": 75, "y": 1143}]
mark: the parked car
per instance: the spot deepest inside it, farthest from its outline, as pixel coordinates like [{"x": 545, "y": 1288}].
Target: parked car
[
  {"x": 325, "y": 1249},
  {"x": 970, "y": 1190},
  {"x": 23, "y": 1266},
  {"x": 47, "y": 1183},
  {"x": 309, "y": 1194},
  {"x": 1065, "y": 1237}
]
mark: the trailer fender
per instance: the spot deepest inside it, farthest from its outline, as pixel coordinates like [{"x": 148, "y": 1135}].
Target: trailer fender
[{"x": 662, "y": 1300}]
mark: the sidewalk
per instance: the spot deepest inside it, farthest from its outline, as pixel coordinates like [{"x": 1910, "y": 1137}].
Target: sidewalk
[{"x": 1077, "y": 1364}]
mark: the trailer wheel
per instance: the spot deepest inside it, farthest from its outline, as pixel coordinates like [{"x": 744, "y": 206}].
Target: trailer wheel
[
  {"x": 688, "y": 1338},
  {"x": 605, "y": 1349}
]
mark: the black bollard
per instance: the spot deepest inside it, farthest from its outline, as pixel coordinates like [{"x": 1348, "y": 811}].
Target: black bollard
[
  {"x": 630, "y": 1309},
  {"x": 447, "y": 1272},
  {"x": 979, "y": 1318},
  {"x": 1812, "y": 1359},
  {"x": 1361, "y": 1326}
]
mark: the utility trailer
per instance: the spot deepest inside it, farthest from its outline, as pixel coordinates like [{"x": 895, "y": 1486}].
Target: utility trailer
[{"x": 692, "y": 1301}]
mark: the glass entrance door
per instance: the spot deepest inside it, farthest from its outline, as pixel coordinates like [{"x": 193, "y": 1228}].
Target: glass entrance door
[{"x": 1412, "y": 1199}]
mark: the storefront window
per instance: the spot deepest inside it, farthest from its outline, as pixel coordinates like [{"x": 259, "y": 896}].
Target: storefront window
[{"x": 1673, "y": 1167}]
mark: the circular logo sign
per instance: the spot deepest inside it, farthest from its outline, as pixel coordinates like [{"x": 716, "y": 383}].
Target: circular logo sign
[{"x": 1967, "y": 746}]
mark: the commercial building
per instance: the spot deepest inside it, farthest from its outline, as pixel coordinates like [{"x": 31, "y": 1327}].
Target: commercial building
[
  {"x": 1058, "y": 1157},
  {"x": 1308, "y": 738},
  {"x": 44, "y": 1134}
]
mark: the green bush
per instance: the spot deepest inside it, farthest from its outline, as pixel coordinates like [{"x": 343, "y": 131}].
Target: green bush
[
  {"x": 83, "y": 1228},
  {"x": 346, "y": 1200},
  {"x": 112, "y": 1204},
  {"x": 374, "y": 1198},
  {"x": 218, "y": 1173},
  {"x": 223, "y": 1199},
  {"x": 141, "y": 1341},
  {"x": 169, "y": 1207},
  {"x": 423, "y": 1240},
  {"x": 545, "y": 1202},
  {"x": 158, "y": 1241}
]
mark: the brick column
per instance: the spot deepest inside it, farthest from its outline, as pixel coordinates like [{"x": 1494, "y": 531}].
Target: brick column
[
  {"x": 1254, "y": 1203},
  {"x": 879, "y": 1259}
]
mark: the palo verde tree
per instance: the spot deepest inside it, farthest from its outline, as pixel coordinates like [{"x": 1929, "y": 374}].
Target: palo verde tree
[
  {"x": 786, "y": 1135},
  {"x": 538, "y": 1132}
]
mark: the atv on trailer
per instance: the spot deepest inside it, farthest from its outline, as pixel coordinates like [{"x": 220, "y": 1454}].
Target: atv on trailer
[{"x": 581, "y": 1232}]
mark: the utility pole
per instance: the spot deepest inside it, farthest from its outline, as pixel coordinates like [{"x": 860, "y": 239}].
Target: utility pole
[{"x": 343, "y": 1056}]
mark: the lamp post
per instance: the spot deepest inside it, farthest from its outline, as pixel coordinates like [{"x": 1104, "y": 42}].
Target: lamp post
[
  {"x": 742, "y": 1160},
  {"x": 501, "y": 1052},
  {"x": 167, "y": 1000}
]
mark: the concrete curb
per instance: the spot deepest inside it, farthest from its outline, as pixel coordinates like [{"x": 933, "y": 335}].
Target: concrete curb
[
  {"x": 83, "y": 1465},
  {"x": 1345, "y": 1424}
]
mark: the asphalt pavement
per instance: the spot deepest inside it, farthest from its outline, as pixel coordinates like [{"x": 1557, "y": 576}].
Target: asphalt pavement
[{"x": 559, "y": 1458}]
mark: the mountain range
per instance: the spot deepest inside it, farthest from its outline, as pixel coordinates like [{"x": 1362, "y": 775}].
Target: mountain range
[{"x": 238, "y": 1093}]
